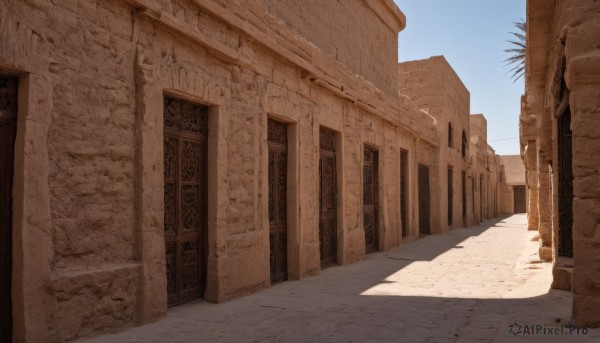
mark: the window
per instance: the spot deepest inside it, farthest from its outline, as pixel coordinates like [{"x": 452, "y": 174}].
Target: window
[{"x": 450, "y": 135}]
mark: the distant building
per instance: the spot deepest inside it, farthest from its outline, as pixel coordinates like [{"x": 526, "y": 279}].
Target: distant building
[{"x": 512, "y": 179}]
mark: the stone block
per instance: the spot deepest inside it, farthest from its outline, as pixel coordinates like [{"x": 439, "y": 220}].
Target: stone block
[
  {"x": 585, "y": 311},
  {"x": 562, "y": 278},
  {"x": 545, "y": 253}
]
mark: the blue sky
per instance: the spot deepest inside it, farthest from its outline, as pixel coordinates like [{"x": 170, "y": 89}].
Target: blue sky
[{"x": 472, "y": 35}]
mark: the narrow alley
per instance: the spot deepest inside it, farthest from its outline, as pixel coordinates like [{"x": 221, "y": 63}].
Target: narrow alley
[{"x": 469, "y": 285}]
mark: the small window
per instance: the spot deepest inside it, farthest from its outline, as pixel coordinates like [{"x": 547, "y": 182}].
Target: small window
[{"x": 450, "y": 135}]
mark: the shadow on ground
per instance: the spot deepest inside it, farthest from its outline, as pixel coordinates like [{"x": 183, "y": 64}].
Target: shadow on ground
[{"x": 344, "y": 304}]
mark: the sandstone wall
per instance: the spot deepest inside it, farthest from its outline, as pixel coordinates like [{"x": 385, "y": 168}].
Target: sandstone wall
[
  {"x": 576, "y": 26},
  {"x": 565, "y": 36},
  {"x": 434, "y": 86},
  {"x": 89, "y": 246},
  {"x": 363, "y": 35}
]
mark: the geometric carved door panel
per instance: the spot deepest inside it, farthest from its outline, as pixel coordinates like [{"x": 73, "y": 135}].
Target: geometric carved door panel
[
  {"x": 520, "y": 205},
  {"x": 277, "y": 140},
  {"x": 327, "y": 199},
  {"x": 565, "y": 184},
  {"x": 8, "y": 125},
  {"x": 424, "y": 200},
  {"x": 185, "y": 199},
  {"x": 370, "y": 199}
]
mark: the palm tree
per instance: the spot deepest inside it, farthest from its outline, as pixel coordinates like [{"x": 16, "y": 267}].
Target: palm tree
[{"x": 517, "y": 58}]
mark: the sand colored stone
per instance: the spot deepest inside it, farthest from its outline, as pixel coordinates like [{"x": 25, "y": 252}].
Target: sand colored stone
[
  {"x": 562, "y": 81},
  {"x": 467, "y": 285},
  {"x": 89, "y": 187}
]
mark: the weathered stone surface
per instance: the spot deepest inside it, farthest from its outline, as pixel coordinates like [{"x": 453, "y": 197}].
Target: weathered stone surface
[
  {"x": 434, "y": 86},
  {"x": 89, "y": 182},
  {"x": 562, "y": 49},
  {"x": 562, "y": 278}
]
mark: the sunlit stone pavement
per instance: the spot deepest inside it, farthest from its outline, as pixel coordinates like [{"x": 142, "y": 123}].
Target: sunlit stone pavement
[{"x": 469, "y": 285}]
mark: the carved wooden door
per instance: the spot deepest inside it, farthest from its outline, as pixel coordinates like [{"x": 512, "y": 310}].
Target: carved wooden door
[
  {"x": 8, "y": 125},
  {"x": 565, "y": 184},
  {"x": 185, "y": 198},
  {"x": 370, "y": 199},
  {"x": 327, "y": 199},
  {"x": 520, "y": 205},
  {"x": 404, "y": 192},
  {"x": 424, "y": 200},
  {"x": 277, "y": 138}
]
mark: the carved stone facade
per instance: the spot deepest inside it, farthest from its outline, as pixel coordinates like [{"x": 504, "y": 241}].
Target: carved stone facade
[
  {"x": 560, "y": 144},
  {"x": 172, "y": 149},
  {"x": 467, "y": 168}
]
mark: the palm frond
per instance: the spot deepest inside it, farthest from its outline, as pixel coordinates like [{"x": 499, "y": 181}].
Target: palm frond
[{"x": 516, "y": 60}]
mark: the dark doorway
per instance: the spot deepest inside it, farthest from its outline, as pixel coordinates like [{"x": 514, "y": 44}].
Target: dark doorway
[
  {"x": 403, "y": 192},
  {"x": 278, "y": 151},
  {"x": 481, "y": 216},
  {"x": 520, "y": 205},
  {"x": 8, "y": 129},
  {"x": 370, "y": 197},
  {"x": 327, "y": 198},
  {"x": 565, "y": 184},
  {"x": 464, "y": 198},
  {"x": 424, "y": 200},
  {"x": 450, "y": 191},
  {"x": 185, "y": 199},
  {"x": 473, "y": 196}
]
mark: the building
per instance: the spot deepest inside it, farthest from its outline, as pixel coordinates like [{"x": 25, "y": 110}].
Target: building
[
  {"x": 467, "y": 168},
  {"x": 155, "y": 152},
  {"x": 560, "y": 144},
  {"x": 512, "y": 180}
]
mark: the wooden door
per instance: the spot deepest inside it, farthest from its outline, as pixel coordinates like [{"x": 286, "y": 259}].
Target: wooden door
[
  {"x": 520, "y": 205},
  {"x": 278, "y": 147},
  {"x": 404, "y": 192},
  {"x": 565, "y": 184},
  {"x": 185, "y": 199},
  {"x": 327, "y": 199},
  {"x": 8, "y": 128},
  {"x": 370, "y": 199},
  {"x": 424, "y": 200}
]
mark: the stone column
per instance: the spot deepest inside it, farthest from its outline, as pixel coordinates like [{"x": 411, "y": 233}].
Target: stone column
[
  {"x": 532, "y": 184},
  {"x": 544, "y": 209}
]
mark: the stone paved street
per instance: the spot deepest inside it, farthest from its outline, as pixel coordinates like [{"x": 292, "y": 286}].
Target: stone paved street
[{"x": 465, "y": 286}]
